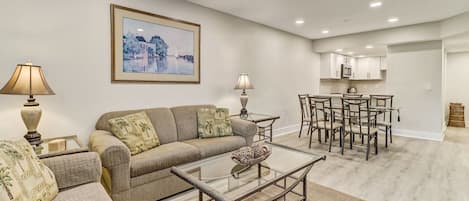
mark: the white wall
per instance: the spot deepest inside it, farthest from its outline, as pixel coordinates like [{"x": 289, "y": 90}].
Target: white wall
[
  {"x": 415, "y": 79},
  {"x": 457, "y": 80},
  {"x": 71, "y": 40}
]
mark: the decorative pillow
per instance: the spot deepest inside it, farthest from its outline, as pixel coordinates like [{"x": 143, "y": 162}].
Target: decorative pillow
[
  {"x": 213, "y": 122},
  {"x": 136, "y": 131},
  {"x": 23, "y": 177}
]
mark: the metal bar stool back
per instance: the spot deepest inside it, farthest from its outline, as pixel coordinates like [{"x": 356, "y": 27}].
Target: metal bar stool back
[
  {"x": 305, "y": 112},
  {"x": 358, "y": 121}
]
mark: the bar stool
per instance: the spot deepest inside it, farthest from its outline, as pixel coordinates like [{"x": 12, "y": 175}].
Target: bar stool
[
  {"x": 358, "y": 121},
  {"x": 305, "y": 113},
  {"x": 386, "y": 122}
]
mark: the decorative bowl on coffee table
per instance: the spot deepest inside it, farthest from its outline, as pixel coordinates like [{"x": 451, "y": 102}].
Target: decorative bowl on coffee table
[{"x": 249, "y": 156}]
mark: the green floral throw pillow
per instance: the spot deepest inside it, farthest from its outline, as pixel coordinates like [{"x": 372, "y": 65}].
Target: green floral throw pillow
[
  {"x": 23, "y": 177},
  {"x": 136, "y": 131},
  {"x": 213, "y": 122}
]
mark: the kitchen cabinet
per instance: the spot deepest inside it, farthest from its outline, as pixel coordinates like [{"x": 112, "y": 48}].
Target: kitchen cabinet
[
  {"x": 367, "y": 68},
  {"x": 383, "y": 63},
  {"x": 331, "y": 66}
]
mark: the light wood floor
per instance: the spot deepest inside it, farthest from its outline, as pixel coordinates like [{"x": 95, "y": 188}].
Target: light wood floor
[{"x": 410, "y": 169}]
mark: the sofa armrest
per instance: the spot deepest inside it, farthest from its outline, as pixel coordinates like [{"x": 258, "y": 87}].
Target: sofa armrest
[
  {"x": 111, "y": 150},
  {"x": 244, "y": 128},
  {"x": 115, "y": 157},
  {"x": 75, "y": 169}
]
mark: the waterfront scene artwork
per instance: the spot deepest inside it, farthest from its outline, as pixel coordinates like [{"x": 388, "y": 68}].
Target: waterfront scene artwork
[{"x": 156, "y": 49}]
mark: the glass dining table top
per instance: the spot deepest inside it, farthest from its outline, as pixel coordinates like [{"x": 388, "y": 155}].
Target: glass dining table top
[{"x": 231, "y": 180}]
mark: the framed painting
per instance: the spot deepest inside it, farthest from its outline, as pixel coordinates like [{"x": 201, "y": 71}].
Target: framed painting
[{"x": 152, "y": 48}]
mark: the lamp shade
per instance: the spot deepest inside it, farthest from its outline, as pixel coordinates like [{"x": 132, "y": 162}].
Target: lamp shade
[
  {"x": 243, "y": 82},
  {"x": 27, "y": 79}
]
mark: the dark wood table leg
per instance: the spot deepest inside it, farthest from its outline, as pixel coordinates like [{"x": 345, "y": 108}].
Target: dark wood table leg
[
  {"x": 271, "y": 132},
  {"x": 305, "y": 188}
]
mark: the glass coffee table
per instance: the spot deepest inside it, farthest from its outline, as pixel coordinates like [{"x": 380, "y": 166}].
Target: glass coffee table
[{"x": 220, "y": 178}]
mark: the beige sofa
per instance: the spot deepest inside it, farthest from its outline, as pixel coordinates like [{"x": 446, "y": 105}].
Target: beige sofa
[
  {"x": 78, "y": 177},
  {"x": 146, "y": 176}
]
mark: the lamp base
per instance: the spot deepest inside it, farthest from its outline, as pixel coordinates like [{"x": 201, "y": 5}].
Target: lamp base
[
  {"x": 244, "y": 101},
  {"x": 34, "y": 138},
  {"x": 31, "y": 114},
  {"x": 244, "y": 112}
]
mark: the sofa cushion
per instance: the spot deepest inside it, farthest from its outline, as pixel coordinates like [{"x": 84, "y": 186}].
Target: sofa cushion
[
  {"x": 214, "y": 146},
  {"x": 22, "y": 175},
  {"x": 162, "y": 157},
  {"x": 136, "y": 131},
  {"x": 213, "y": 122},
  {"x": 186, "y": 120},
  {"x": 90, "y": 191},
  {"x": 161, "y": 118}
]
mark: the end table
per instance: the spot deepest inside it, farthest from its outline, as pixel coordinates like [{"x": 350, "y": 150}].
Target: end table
[
  {"x": 68, "y": 145},
  {"x": 264, "y": 124}
]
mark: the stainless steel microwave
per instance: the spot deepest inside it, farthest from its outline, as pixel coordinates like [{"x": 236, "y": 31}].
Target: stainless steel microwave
[{"x": 346, "y": 71}]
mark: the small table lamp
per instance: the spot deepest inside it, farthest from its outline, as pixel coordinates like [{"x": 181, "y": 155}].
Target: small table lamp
[
  {"x": 244, "y": 83},
  {"x": 28, "y": 79}
]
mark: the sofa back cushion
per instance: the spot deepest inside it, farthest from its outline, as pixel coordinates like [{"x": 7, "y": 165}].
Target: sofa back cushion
[
  {"x": 161, "y": 118},
  {"x": 186, "y": 120}
]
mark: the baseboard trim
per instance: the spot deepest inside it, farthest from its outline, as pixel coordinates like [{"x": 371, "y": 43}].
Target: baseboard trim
[
  {"x": 286, "y": 130},
  {"x": 424, "y": 135}
]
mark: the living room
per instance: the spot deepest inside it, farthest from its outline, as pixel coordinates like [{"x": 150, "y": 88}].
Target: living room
[{"x": 76, "y": 46}]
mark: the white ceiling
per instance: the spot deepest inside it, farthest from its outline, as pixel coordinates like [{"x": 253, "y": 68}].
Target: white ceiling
[{"x": 339, "y": 16}]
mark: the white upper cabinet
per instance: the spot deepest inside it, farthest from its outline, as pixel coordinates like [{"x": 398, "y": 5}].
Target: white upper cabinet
[
  {"x": 367, "y": 68},
  {"x": 331, "y": 65},
  {"x": 384, "y": 63}
]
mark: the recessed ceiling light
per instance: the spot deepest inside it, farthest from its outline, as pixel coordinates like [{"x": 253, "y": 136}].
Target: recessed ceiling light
[
  {"x": 393, "y": 19},
  {"x": 299, "y": 21},
  {"x": 140, "y": 30},
  {"x": 325, "y": 31},
  {"x": 369, "y": 47},
  {"x": 339, "y": 50},
  {"x": 376, "y": 4}
]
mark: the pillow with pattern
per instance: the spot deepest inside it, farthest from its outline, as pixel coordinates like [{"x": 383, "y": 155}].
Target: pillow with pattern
[
  {"x": 136, "y": 131},
  {"x": 23, "y": 177},
  {"x": 213, "y": 122}
]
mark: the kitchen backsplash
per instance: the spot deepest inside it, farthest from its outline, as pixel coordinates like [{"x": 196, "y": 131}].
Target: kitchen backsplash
[{"x": 341, "y": 86}]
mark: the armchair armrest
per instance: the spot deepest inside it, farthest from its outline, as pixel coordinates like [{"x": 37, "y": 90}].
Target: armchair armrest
[
  {"x": 75, "y": 169},
  {"x": 244, "y": 128},
  {"x": 115, "y": 157}
]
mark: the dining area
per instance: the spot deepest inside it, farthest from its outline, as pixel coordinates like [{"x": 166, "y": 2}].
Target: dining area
[{"x": 347, "y": 121}]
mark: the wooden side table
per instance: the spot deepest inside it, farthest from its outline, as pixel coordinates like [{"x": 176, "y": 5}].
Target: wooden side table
[
  {"x": 264, "y": 124},
  {"x": 51, "y": 147}
]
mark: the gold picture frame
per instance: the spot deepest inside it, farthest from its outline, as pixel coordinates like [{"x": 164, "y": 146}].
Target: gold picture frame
[{"x": 147, "y": 47}]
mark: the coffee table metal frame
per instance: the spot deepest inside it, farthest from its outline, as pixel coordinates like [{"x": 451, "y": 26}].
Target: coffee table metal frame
[{"x": 204, "y": 188}]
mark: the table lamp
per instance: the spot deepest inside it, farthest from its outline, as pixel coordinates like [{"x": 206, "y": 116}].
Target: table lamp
[
  {"x": 28, "y": 79},
  {"x": 244, "y": 83}
]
